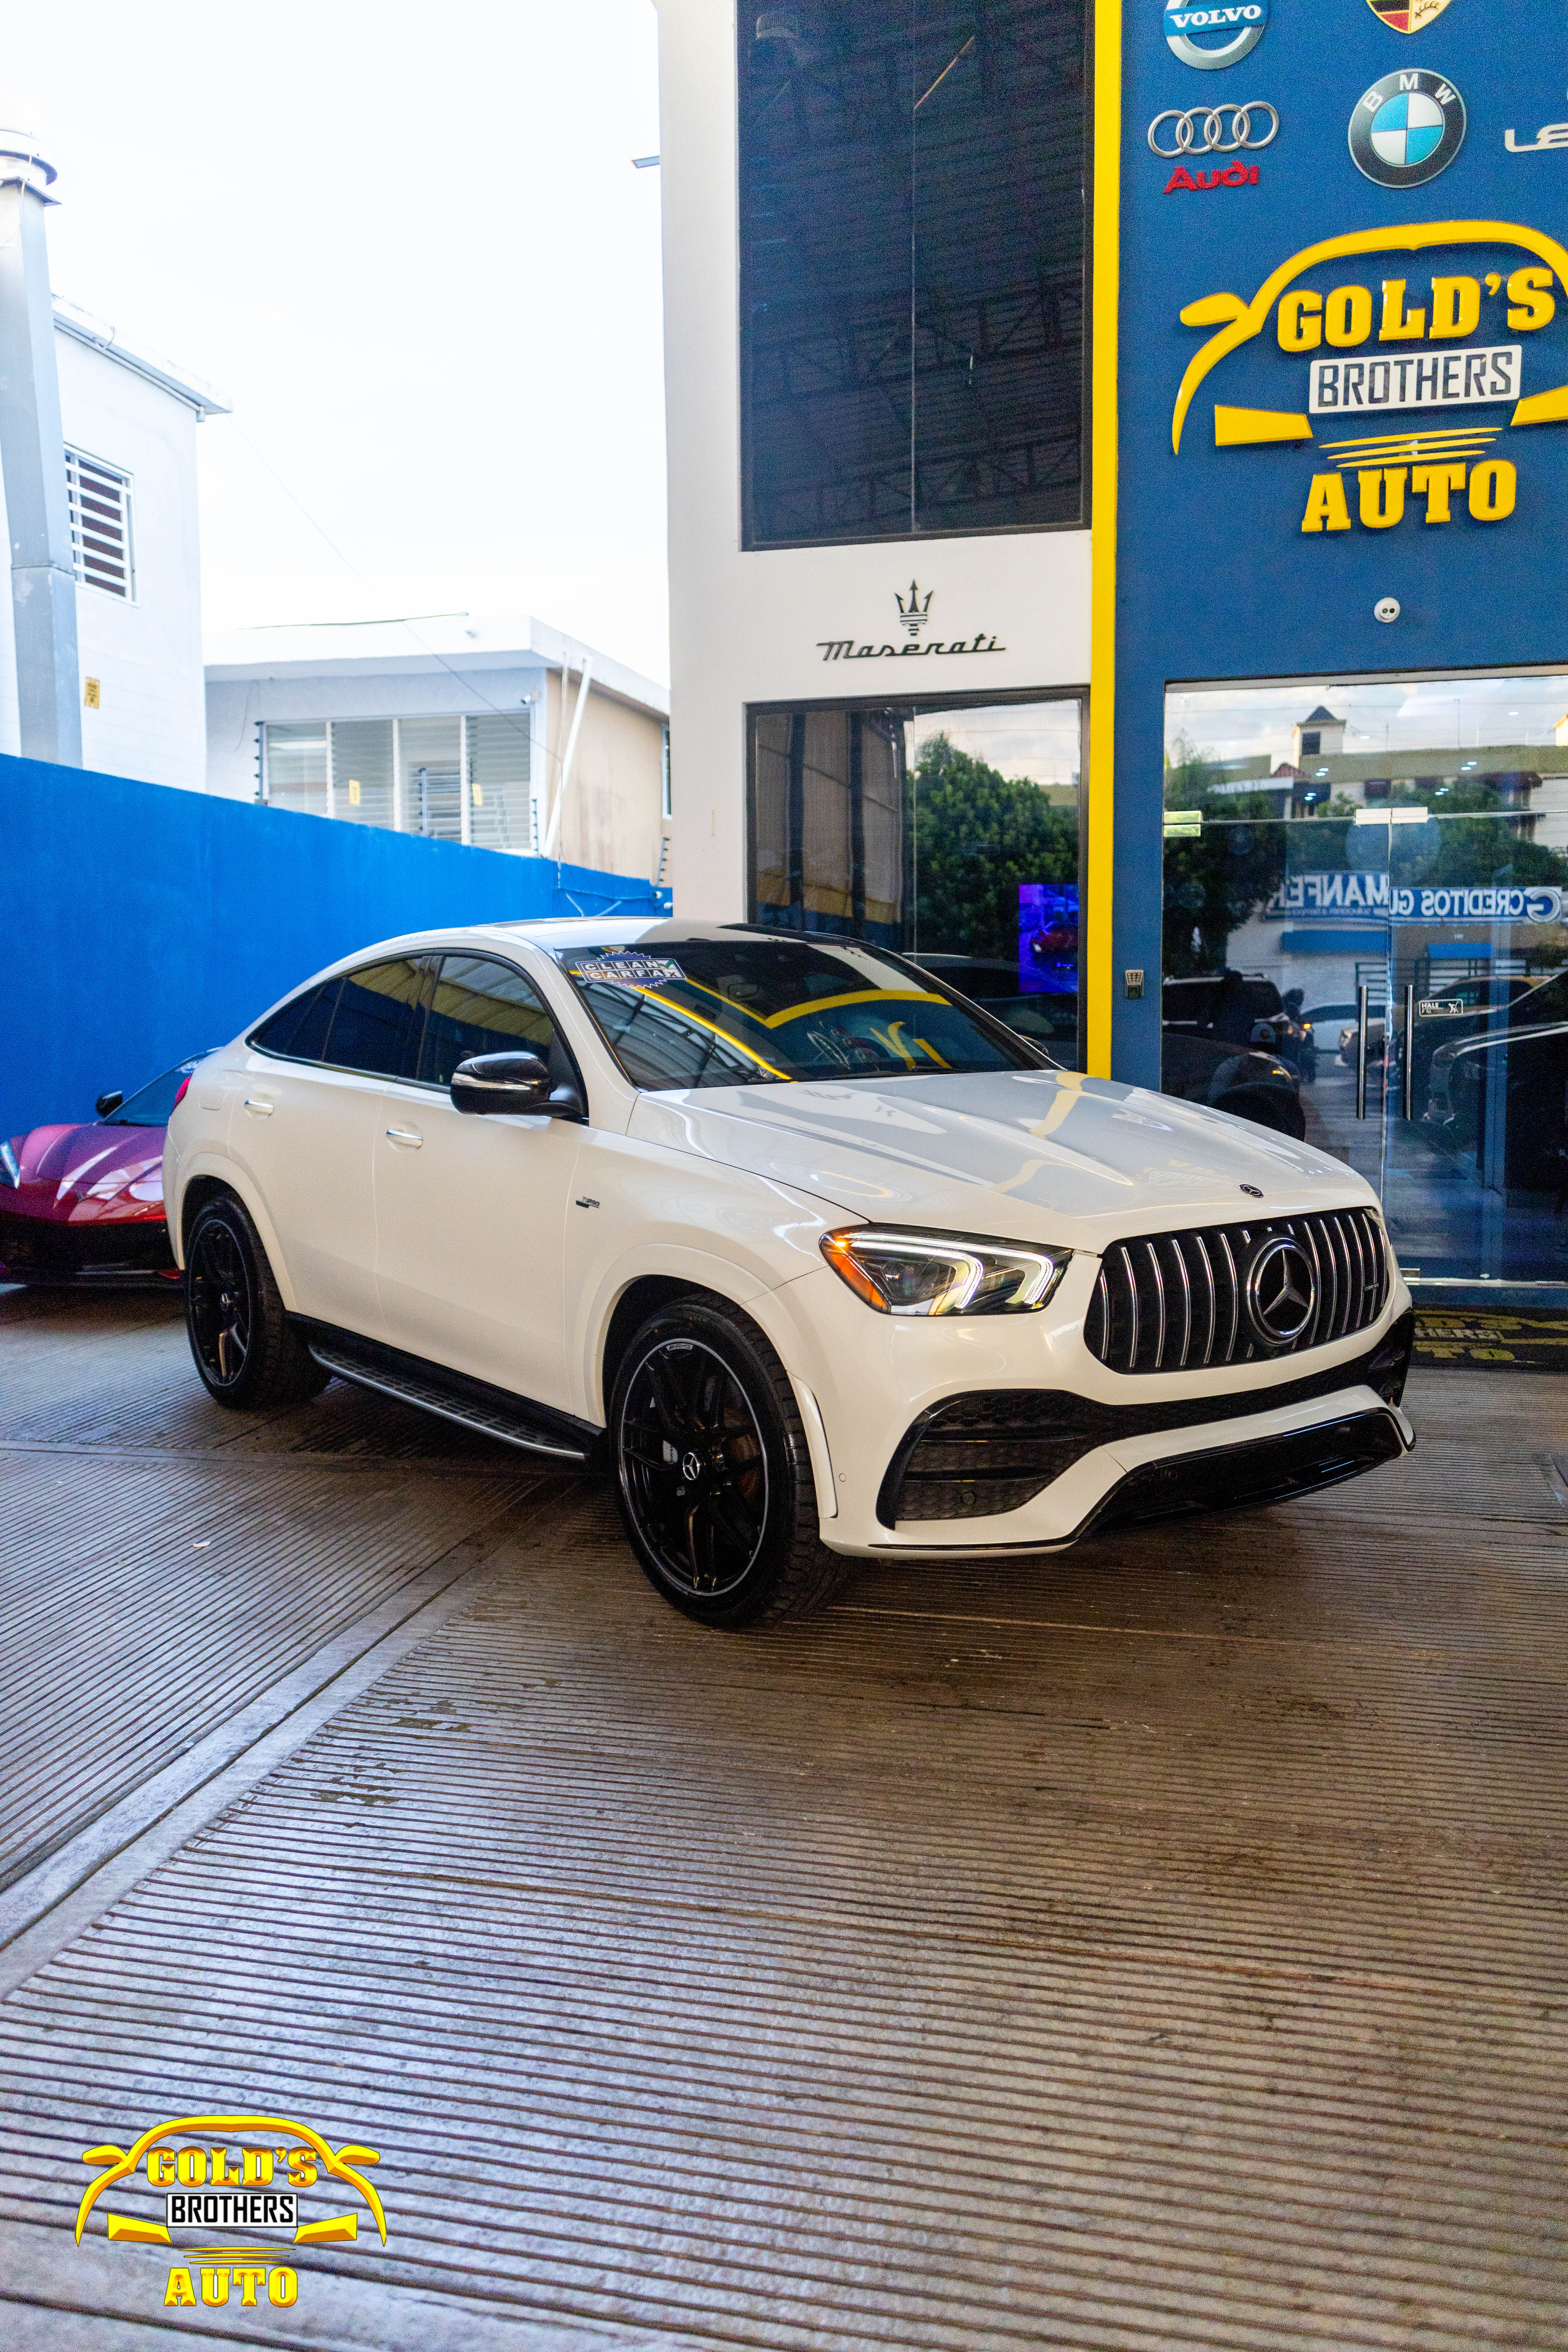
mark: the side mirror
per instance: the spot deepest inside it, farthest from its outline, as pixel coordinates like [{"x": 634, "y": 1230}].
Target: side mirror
[
  {"x": 511, "y": 1083},
  {"x": 106, "y": 1104}
]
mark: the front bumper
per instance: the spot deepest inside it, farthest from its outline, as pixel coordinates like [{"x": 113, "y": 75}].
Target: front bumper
[
  {"x": 876, "y": 1379},
  {"x": 90, "y": 1250}
]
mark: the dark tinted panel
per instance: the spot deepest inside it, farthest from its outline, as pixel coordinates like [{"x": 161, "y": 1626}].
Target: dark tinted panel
[
  {"x": 153, "y": 1105},
  {"x": 375, "y": 1024},
  {"x": 481, "y": 1006},
  {"x": 913, "y": 240},
  {"x": 300, "y": 1028}
]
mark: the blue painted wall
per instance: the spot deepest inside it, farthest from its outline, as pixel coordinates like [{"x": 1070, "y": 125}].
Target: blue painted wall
[
  {"x": 1216, "y": 578},
  {"x": 142, "y": 924}
]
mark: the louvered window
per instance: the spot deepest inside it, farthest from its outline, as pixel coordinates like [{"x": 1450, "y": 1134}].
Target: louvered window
[
  {"x": 101, "y": 524},
  {"x": 500, "y": 796}
]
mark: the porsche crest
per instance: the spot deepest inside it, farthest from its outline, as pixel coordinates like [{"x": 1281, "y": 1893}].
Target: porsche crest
[{"x": 1407, "y": 16}]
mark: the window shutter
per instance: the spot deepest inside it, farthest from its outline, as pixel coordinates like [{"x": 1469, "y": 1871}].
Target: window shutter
[
  {"x": 432, "y": 798},
  {"x": 498, "y": 783},
  {"x": 361, "y": 771},
  {"x": 100, "y": 523},
  {"x": 296, "y": 769}
]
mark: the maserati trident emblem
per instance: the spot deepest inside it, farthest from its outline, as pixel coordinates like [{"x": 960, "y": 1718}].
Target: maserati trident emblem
[
  {"x": 1281, "y": 1291},
  {"x": 914, "y": 612}
]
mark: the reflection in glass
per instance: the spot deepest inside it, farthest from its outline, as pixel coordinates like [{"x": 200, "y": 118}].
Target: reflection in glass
[
  {"x": 912, "y": 193},
  {"x": 950, "y": 833},
  {"x": 1407, "y": 839}
]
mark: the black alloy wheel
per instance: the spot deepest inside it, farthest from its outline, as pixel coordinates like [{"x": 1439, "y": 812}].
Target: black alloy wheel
[
  {"x": 246, "y": 1349},
  {"x": 713, "y": 1472},
  {"x": 221, "y": 1307}
]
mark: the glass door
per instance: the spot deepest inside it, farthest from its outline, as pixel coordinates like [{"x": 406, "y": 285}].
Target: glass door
[{"x": 1365, "y": 944}]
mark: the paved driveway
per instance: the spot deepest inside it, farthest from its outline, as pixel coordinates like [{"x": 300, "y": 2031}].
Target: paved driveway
[{"x": 1157, "y": 1946}]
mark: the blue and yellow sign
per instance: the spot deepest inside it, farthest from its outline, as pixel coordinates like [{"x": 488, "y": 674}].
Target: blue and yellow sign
[{"x": 1343, "y": 383}]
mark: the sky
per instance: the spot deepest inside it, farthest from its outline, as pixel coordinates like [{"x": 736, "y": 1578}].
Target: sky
[
  {"x": 409, "y": 245},
  {"x": 1438, "y": 714}
]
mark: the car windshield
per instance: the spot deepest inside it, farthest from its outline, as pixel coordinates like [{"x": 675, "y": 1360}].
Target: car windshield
[
  {"x": 756, "y": 1012},
  {"x": 153, "y": 1105}
]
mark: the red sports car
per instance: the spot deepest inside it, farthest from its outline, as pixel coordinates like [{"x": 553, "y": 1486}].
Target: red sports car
[{"x": 86, "y": 1204}]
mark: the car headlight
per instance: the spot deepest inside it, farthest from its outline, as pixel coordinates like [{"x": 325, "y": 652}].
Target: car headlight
[
  {"x": 9, "y": 1172},
  {"x": 909, "y": 1272}
]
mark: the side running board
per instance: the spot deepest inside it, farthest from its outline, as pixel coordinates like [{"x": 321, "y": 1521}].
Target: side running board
[{"x": 410, "y": 1387}]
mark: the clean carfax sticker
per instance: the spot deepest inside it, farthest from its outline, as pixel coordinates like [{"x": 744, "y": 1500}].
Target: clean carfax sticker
[{"x": 629, "y": 971}]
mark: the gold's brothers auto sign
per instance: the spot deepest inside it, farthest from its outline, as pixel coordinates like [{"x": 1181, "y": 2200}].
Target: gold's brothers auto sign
[{"x": 1409, "y": 381}]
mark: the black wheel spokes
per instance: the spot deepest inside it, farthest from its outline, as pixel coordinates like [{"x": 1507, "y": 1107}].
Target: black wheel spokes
[
  {"x": 220, "y": 1305},
  {"x": 694, "y": 1468}
]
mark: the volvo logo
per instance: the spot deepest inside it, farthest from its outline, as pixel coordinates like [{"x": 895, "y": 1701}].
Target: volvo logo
[
  {"x": 1281, "y": 1291},
  {"x": 1202, "y": 129},
  {"x": 1218, "y": 35}
]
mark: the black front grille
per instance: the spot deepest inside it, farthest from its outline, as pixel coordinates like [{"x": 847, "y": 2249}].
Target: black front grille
[
  {"x": 994, "y": 1449},
  {"x": 1244, "y": 1477},
  {"x": 1178, "y": 1302}
]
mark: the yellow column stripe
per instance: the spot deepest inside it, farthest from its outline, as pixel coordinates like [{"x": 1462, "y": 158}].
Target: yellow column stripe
[{"x": 1099, "y": 944}]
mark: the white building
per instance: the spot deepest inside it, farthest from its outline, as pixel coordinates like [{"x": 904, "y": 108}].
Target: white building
[
  {"x": 498, "y": 732},
  {"x": 875, "y": 517},
  {"x": 130, "y": 424},
  {"x": 98, "y": 439}
]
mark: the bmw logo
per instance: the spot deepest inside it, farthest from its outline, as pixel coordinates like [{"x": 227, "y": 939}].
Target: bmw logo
[
  {"x": 1407, "y": 128},
  {"x": 1221, "y": 34}
]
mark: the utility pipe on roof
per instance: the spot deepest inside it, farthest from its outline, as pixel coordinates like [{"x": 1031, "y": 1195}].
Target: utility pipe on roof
[
  {"x": 33, "y": 457},
  {"x": 570, "y": 752}
]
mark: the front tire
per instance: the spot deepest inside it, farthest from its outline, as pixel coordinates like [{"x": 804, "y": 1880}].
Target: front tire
[
  {"x": 247, "y": 1352},
  {"x": 712, "y": 1471}
]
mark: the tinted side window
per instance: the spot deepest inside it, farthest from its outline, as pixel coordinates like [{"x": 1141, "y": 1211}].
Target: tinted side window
[
  {"x": 300, "y": 1028},
  {"x": 481, "y": 1005},
  {"x": 374, "y": 1027}
]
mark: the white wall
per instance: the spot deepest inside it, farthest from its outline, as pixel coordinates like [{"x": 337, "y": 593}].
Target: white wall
[
  {"x": 146, "y": 652},
  {"x": 745, "y": 627}
]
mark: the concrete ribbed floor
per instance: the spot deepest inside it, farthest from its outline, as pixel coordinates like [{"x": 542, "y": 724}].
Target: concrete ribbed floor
[{"x": 1158, "y": 1946}]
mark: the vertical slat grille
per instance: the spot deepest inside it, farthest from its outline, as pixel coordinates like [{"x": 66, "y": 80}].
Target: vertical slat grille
[
  {"x": 100, "y": 498},
  {"x": 1169, "y": 1301}
]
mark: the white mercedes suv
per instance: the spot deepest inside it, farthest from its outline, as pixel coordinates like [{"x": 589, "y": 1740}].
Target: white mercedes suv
[{"x": 822, "y": 1261}]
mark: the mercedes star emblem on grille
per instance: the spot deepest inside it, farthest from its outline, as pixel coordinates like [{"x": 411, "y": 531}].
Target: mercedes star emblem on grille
[{"x": 1281, "y": 1291}]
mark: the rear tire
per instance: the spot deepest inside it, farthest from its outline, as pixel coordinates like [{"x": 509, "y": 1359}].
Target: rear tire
[
  {"x": 247, "y": 1352},
  {"x": 713, "y": 1472}
]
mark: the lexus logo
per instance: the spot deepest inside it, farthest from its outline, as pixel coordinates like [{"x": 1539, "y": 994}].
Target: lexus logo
[{"x": 1281, "y": 1291}]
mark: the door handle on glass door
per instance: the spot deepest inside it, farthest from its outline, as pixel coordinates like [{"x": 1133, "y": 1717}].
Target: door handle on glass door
[
  {"x": 261, "y": 1106},
  {"x": 410, "y": 1135}
]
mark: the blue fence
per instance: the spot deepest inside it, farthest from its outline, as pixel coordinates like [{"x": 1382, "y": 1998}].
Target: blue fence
[{"x": 142, "y": 924}]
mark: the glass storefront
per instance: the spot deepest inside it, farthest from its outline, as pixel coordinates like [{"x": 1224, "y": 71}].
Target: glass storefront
[
  {"x": 912, "y": 249},
  {"x": 947, "y": 832},
  {"x": 1365, "y": 889}
]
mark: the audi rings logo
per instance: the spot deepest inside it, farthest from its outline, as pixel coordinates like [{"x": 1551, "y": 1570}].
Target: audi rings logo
[
  {"x": 1281, "y": 1291},
  {"x": 1213, "y": 130}
]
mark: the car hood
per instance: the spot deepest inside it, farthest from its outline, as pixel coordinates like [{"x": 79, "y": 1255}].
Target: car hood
[
  {"x": 1024, "y": 1154},
  {"x": 90, "y": 1171}
]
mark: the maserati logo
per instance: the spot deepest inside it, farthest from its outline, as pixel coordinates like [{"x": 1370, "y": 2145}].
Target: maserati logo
[
  {"x": 1281, "y": 1291},
  {"x": 913, "y": 613}
]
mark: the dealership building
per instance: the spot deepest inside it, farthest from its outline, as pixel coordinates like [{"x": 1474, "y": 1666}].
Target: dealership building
[{"x": 1115, "y": 465}]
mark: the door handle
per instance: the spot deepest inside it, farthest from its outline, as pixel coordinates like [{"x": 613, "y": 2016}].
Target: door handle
[
  {"x": 259, "y": 1104},
  {"x": 1361, "y": 997},
  {"x": 409, "y": 1135}
]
